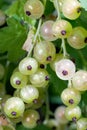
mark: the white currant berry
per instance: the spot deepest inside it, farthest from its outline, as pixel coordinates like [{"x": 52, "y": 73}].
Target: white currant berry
[
  {"x": 59, "y": 115},
  {"x": 34, "y": 8},
  {"x": 65, "y": 69},
  {"x": 14, "y": 107},
  {"x": 80, "y": 80},
  {"x": 28, "y": 66},
  {"x": 70, "y": 96},
  {"x": 61, "y": 28},
  {"x": 73, "y": 113},
  {"x": 29, "y": 93},
  {"x": 82, "y": 124},
  {"x": 46, "y": 31},
  {"x": 71, "y": 9}
]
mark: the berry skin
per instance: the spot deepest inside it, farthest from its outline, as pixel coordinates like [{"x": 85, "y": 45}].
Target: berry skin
[
  {"x": 73, "y": 113},
  {"x": 34, "y": 9},
  {"x": 60, "y": 4},
  {"x": 40, "y": 78},
  {"x": 71, "y": 9},
  {"x": 44, "y": 52},
  {"x": 18, "y": 80},
  {"x": 57, "y": 58},
  {"x": 78, "y": 38},
  {"x": 28, "y": 66},
  {"x": 46, "y": 31},
  {"x": 82, "y": 124},
  {"x": 59, "y": 115},
  {"x": 61, "y": 28},
  {"x": 30, "y": 118},
  {"x": 70, "y": 97},
  {"x": 65, "y": 69},
  {"x": 14, "y": 107},
  {"x": 79, "y": 80},
  {"x": 29, "y": 93}
]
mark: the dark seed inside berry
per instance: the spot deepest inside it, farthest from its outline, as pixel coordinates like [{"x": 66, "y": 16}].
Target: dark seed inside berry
[
  {"x": 64, "y": 72},
  {"x": 28, "y": 13},
  {"x": 71, "y": 101},
  {"x": 13, "y": 113},
  {"x": 74, "y": 119},
  {"x": 18, "y": 82},
  {"x": 49, "y": 58},
  {"x": 85, "y": 40},
  {"x": 78, "y": 10},
  {"x": 63, "y": 32},
  {"x": 29, "y": 67},
  {"x": 47, "y": 77}
]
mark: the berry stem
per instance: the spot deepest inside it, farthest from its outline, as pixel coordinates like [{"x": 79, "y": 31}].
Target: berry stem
[
  {"x": 64, "y": 48},
  {"x": 69, "y": 83},
  {"x": 35, "y": 37},
  {"x": 37, "y": 32},
  {"x": 56, "y": 4}
]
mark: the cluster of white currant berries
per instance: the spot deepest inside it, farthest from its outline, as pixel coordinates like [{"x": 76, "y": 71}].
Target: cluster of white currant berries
[
  {"x": 71, "y": 96},
  {"x": 30, "y": 78}
]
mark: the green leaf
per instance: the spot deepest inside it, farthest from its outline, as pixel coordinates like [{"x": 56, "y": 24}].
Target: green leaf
[
  {"x": 50, "y": 9},
  {"x": 84, "y": 97},
  {"x": 12, "y": 38},
  {"x": 39, "y": 127},
  {"x": 78, "y": 56},
  {"x": 84, "y": 4}
]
